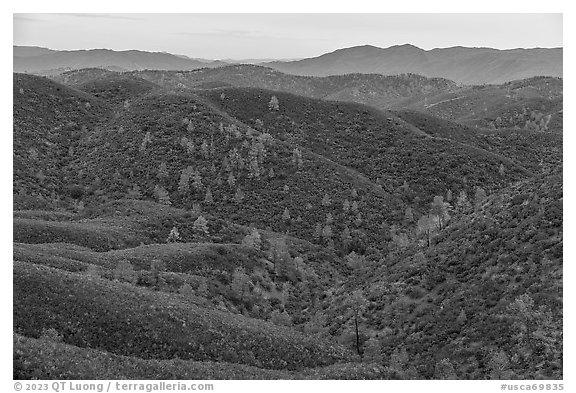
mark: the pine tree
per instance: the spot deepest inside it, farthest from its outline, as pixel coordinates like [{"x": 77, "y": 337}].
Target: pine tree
[
  {"x": 354, "y": 193},
  {"x": 147, "y": 139},
  {"x": 462, "y": 203},
  {"x": 239, "y": 196},
  {"x": 329, "y": 218},
  {"x": 174, "y": 236},
  {"x": 274, "y": 105},
  {"x": 197, "y": 184},
  {"x": 326, "y": 200},
  {"x": 162, "y": 195},
  {"x": 208, "y": 197},
  {"x": 479, "y": 197},
  {"x": 408, "y": 214},
  {"x": 162, "y": 171},
  {"x": 449, "y": 196},
  {"x": 183, "y": 184},
  {"x": 286, "y": 215},
  {"x": 346, "y": 206},
  {"x": 231, "y": 180},
  {"x": 355, "y": 206},
  {"x": 317, "y": 231}
]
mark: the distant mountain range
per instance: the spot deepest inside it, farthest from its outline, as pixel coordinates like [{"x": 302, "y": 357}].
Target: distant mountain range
[{"x": 460, "y": 64}]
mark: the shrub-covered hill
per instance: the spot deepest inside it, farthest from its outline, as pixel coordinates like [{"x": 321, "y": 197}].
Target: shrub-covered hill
[
  {"x": 125, "y": 320},
  {"x": 179, "y": 150},
  {"x": 532, "y": 104},
  {"x": 486, "y": 295},
  {"x": 373, "y": 89},
  {"x": 49, "y": 359},
  {"x": 377, "y": 144},
  {"x": 117, "y": 89},
  {"x": 49, "y": 120},
  {"x": 536, "y": 151}
]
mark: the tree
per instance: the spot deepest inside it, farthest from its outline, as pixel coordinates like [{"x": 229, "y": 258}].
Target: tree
[
  {"x": 174, "y": 236},
  {"x": 408, "y": 214},
  {"x": 162, "y": 171},
  {"x": 462, "y": 203},
  {"x": 427, "y": 226},
  {"x": 231, "y": 180},
  {"x": 373, "y": 351},
  {"x": 239, "y": 282},
  {"x": 449, "y": 196},
  {"x": 134, "y": 192},
  {"x": 202, "y": 289},
  {"x": 355, "y": 206},
  {"x": 355, "y": 261},
  {"x": 461, "y": 320},
  {"x": 439, "y": 209},
  {"x": 354, "y": 193},
  {"x": 356, "y": 304},
  {"x": 280, "y": 318},
  {"x": 499, "y": 365},
  {"x": 208, "y": 197},
  {"x": 501, "y": 170},
  {"x": 162, "y": 195},
  {"x": 444, "y": 370},
  {"x": 147, "y": 139},
  {"x": 317, "y": 231},
  {"x": 536, "y": 328},
  {"x": 329, "y": 218},
  {"x": 346, "y": 206},
  {"x": 197, "y": 181},
  {"x": 326, "y": 200},
  {"x": 297, "y": 158},
  {"x": 239, "y": 196},
  {"x": 157, "y": 267},
  {"x": 124, "y": 271},
  {"x": 286, "y": 215},
  {"x": 274, "y": 105},
  {"x": 183, "y": 184},
  {"x": 253, "y": 239},
  {"x": 479, "y": 197},
  {"x": 201, "y": 226},
  {"x": 186, "y": 290}
]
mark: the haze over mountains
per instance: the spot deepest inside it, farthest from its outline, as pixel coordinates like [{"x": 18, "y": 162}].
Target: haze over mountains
[{"x": 459, "y": 64}]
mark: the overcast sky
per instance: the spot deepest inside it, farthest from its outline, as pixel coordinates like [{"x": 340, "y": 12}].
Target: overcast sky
[{"x": 243, "y": 36}]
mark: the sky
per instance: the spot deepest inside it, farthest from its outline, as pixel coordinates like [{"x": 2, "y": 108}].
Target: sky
[{"x": 282, "y": 35}]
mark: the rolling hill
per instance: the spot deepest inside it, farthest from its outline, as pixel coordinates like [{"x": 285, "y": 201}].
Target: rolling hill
[{"x": 176, "y": 224}]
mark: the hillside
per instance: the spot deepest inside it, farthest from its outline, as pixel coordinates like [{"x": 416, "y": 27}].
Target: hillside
[
  {"x": 487, "y": 295},
  {"x": 49, "y": 120},
  {"x": 376, "y": 144},
  {"x": 530, "y": 104},
  {"x": 174, "y": 225},
  {"x": 460, "y": 64}
]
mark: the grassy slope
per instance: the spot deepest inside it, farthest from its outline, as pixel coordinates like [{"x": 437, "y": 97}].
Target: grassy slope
[{"x": 126, "y": 320}]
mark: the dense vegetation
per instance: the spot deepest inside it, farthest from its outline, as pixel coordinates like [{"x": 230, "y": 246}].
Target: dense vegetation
[{"x": 169, "y": 225}]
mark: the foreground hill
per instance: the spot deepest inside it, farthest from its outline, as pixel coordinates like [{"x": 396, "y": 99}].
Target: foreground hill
[
  {"x": 460, "y": 64},
  {"x": 483, "y": 301}
]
